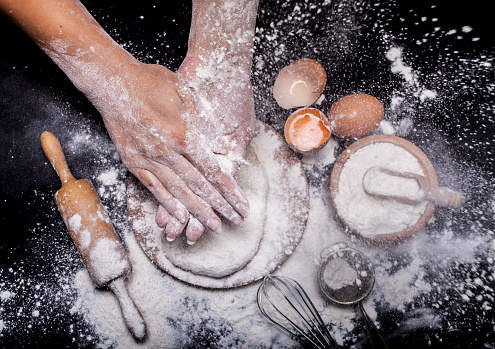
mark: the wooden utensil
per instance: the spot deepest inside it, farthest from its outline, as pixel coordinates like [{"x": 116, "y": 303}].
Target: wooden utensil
[
  {"x": 94, "y": 235},
  {"x": 440, "y": 196}
]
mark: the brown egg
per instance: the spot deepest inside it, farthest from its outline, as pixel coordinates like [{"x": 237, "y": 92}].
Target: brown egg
[
  {"x": 355, "y": 115},
  {"x": 307, "y": 130},
  {"x": 300, "y": 84}
]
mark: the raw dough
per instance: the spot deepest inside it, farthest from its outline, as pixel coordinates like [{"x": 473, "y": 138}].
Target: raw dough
[
  {"x": 287, "y": 211},
  {"x": 218, "y": 254}
]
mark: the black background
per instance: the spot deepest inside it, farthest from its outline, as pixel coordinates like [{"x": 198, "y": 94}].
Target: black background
[{"x": 32, "y": 87}]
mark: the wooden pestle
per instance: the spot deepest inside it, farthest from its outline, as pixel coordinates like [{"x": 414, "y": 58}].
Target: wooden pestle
[{"x": 94, "y": 235}]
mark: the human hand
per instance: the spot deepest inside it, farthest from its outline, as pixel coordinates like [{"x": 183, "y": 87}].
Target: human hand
[
  {"x": 217, "y": 71},
  {"x": 146, "y": 115},
  {"x": 224, "y": 114}
]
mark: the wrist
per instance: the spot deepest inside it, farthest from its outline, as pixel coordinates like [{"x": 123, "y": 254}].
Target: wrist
[{"x": 90, "y": 63}]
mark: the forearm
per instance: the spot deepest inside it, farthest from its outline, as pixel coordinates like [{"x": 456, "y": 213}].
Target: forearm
[
  {"x": 225, "y": 27},
  {"x": 146, "y": 107},
  {"x": 68, "y": 33}
]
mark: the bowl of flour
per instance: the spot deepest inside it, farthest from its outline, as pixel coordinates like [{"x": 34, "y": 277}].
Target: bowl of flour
[{"x": 374, "y": 218}]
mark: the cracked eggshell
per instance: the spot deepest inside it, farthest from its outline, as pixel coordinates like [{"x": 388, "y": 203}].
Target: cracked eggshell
[
  {"x": 300, "y": 84},
  {"x": 307, "y": 130}
]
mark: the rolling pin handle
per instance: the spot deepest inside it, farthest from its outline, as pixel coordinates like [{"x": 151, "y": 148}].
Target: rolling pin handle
[
  {"x": 55, "y": 154},
  {"x": 132, "y": 317}
]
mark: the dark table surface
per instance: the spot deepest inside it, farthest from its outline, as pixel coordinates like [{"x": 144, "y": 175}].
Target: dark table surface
[{"x": 457, "y": 60}]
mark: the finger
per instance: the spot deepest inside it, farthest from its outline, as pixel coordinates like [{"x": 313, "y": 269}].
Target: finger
[
  {"x": 163, "y": 196},
  {"x": 194, "y": 230},
  {"x": 174, "y": 228},
  {"x": 162, "y": 217},
  {"x": 204, "y": 189},
  {"x": 164, "y": 179},
  {"x": 209, "y": 166}
]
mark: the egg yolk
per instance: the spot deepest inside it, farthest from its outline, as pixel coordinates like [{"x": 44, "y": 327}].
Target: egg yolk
[{"x": 307, "y": 130}]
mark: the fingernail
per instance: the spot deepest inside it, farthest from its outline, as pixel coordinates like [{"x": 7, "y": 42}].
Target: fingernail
[
  {"x": 181, "y": 216},
  {"x": 214, "y": 225},
  {"x": 189, "y": 242},
  {"x": 243, "y": 209},
  {"x": 237, "y": 220},
  {"x": 169, "y": 239}
]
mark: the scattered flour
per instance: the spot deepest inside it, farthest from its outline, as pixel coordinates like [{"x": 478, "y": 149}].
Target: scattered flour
[
  {"x": 386, "y": 128},
  {"x": 5, "y": 295},
  {"x": 441, "y": 279},
  {"x": 398, "y": 66},
  {"x": 75, "y": 222},
  {"x": 109, "y": 177},
  {"x": 324, "y": 156}
]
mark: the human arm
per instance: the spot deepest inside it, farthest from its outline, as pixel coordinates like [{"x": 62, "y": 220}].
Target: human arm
[
  {"x": 143, "y": 107},
  {"x": 217, "y": 70}
]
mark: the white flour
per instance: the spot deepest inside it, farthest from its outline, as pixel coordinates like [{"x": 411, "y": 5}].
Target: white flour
[
  {"x": 365, "y": 213},
  {"x": 398, "y": 66},
  {"x": 338, "y": 274},
  {"x": 162, "y": 299}
]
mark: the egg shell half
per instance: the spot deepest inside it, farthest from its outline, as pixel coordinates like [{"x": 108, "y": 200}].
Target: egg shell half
[
  {"x": 307, "y": 130},
  {"x": 299, "y": 84}
]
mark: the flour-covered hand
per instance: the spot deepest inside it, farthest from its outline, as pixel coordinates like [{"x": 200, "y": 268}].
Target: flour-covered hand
[
  {"x": 144, "y": 109},
  {"x": 216, "y": 74},
  {"x": 158, "y": 145}
]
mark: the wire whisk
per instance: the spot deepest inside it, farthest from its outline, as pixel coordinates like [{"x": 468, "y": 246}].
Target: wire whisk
[{"x": 285, "y": 303}]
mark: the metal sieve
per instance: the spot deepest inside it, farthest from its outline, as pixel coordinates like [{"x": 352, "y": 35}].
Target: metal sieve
[{"x": 346, "y": 276}]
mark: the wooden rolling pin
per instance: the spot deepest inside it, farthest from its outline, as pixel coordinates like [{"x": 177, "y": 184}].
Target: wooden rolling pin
[{"x": 94, "y": 235}]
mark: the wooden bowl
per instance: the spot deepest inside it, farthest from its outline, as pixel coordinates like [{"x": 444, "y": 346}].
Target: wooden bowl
[{"x": 425, "y": 164}]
